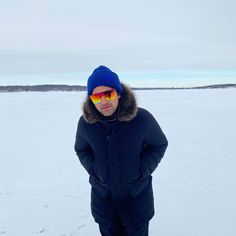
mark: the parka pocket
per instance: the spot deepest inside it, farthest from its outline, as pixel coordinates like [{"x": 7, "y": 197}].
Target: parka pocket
[
  {"x": 144, "y": 170},
  {"x": 138, "y": 186},
  {"x": 100, "y": 188}
]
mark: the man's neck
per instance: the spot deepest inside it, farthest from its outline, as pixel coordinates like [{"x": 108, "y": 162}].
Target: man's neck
[{"x": 112, "y": 117}]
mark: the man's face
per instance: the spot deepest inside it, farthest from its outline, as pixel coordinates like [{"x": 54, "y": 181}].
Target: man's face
[{"x": 106, "y": 107}]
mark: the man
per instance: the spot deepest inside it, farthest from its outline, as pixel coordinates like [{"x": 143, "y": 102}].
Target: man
[{"x": 120, "y": 145}]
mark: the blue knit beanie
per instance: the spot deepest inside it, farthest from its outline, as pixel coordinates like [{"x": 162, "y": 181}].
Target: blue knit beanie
[{"x": 102, "y": 75}]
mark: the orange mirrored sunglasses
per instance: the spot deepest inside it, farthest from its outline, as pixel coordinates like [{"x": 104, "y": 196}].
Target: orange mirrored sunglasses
[{"x": 108, "y": 95}]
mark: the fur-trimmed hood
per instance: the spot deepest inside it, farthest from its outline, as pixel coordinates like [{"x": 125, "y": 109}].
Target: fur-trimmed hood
[{"x": 127, "y": 108}]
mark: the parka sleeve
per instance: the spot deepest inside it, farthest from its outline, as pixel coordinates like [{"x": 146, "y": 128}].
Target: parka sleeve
[
  {"x": 83, "y": 149},
  {"x": 155, "y": 144}
]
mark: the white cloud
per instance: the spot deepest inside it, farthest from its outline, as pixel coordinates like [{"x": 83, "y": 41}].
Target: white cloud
[{"x": 128, "y": 34}]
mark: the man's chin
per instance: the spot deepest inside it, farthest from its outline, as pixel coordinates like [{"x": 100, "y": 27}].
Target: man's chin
[{"x": 107, "y": 113}]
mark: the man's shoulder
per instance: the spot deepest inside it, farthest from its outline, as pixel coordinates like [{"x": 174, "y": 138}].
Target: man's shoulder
[
  {"x": 144, "y": 113},
  {"x": 81, "y": 118},
  {"x": 83, "y": 126},
  {"x": 144, "y": 116},
  {"x": 82, "y": 121}
]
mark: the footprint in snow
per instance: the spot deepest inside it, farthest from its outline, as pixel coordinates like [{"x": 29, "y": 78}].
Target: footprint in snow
[
  {"x": 81, "y": 226},
  {"x": 44, "y": 230}
]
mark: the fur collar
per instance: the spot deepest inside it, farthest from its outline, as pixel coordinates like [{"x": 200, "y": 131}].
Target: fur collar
[{"x": 127, "y": 108}]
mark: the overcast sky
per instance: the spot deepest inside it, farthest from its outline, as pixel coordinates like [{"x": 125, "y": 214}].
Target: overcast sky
[{"x": 49, "y": 36}]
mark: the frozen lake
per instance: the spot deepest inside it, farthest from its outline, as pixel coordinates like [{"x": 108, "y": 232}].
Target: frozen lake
[{"x": 45, "y": 191}]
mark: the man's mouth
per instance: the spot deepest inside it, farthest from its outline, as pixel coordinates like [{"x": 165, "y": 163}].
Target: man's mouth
[{"x": 104, "y": 108}]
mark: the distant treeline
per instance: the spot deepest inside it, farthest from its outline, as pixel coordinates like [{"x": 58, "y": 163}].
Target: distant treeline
[
  {"x": 52, "y": 87},
  {"x": 41, "y": 88}
]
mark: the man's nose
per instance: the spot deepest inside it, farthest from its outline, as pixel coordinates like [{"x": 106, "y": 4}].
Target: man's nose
[{"x": 103, "y": 100}]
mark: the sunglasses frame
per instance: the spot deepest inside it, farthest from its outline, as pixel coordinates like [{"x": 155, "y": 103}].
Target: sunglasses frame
[{"x": 102, "y": 94}]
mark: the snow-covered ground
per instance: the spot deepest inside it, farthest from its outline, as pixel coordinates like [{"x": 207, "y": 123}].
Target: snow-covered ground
[{"x": 45, "y": 191}]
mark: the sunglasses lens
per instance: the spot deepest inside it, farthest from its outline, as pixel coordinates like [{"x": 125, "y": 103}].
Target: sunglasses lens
[
  {"x": 97, "y": 97},
  {"x": 109, "y": 95}
]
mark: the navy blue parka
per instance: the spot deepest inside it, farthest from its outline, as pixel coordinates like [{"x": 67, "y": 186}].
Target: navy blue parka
[{"x": 120, "y": 155}]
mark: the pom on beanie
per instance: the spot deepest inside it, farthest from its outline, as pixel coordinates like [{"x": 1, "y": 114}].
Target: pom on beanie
[{"x": 102, "y": 75}]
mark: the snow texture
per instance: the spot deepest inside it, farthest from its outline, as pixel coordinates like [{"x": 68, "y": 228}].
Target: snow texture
[{"x": 45, "y": 191}]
